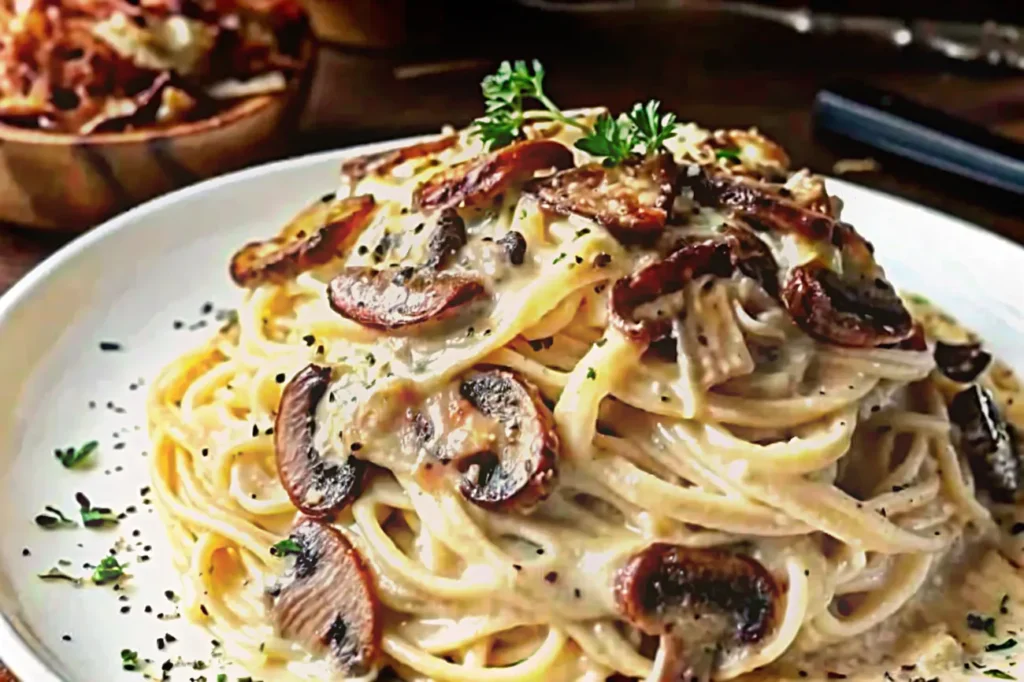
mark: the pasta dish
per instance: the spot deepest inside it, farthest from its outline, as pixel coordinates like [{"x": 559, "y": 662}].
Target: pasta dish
[{"x": 583, "y": 397}]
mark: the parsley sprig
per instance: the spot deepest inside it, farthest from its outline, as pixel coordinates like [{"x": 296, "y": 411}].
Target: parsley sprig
[
  {"x": 642, "y": 130},
  {"x": 286, "y": 547},
  {"x": 505, "y": 93}
]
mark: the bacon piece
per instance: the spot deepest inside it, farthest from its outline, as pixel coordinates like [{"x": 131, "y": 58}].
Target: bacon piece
[
  {"x": 705, "y": 600},
  {"x": 326, "y": 600},
  {"x": 864, "y": 312},
  {"x": 322, "y": 231},
  {"x": 477, "y": 181},
  {"x": 382, "y": 163},
  {"x": 394, "y": 299},
  {"x": 522, "y": 467},
  {"x": 632, "y": 199},
  {"x": 320, "y": 486}
]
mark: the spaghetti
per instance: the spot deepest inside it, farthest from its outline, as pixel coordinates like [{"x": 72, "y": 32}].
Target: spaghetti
[{"x": 532, "y": 418}]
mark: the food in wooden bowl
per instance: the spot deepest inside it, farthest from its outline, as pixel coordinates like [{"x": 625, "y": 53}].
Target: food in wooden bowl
[{"x": 107, "y": 103}]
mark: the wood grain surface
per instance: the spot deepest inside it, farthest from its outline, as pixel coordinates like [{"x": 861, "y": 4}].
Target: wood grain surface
[{"x": 719, "y": 71}]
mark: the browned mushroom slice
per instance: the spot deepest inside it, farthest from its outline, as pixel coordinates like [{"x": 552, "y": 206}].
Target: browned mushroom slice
[
  {"x": 861, "y": 311},
  {"x": 326, "y": 600},
  {"x": 632, "y": 199},
  {"x": 477, "y": 181},
  {"x": 705, "y": 600},
  {"x": 319, "y": 233},
  {"x": 989, "y": 443},
  {"x": 318, "y": 485},
  {"x": 448, "y": 237},
  {"x": 762, "y": 204},
  {"x": 961, "y": 362},
  {"x": 522, "y": 467},
  {"x": 392, "y": 299},
  {"x": 382, "y": 163},
  {"x": 660, "y": 279}
]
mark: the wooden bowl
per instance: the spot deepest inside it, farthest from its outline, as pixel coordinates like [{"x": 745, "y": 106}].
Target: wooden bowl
[{"x": 74, "y": 182}]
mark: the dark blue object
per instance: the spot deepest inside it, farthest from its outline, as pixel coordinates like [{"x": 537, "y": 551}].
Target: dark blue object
[{"x": 900, "y": 126}]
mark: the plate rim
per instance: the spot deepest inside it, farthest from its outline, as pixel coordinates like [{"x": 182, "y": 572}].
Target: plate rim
[{"x": 17, "y": 654}]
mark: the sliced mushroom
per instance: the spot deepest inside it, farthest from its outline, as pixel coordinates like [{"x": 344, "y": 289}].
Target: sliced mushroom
[
  {"x": 961, "y": 362},
  {"x": 326, "y": 600},
  {"x": 382, "y": 163},
  {"x": 513, "y": 244},
  {"x": 394, "y": 299},
  {"x": 522, "y": 467},
  {"x": 989, "y": 443},
  {"x": 448, "y": 237},
  {"x": 664, "y": 277},
  {"x": 477, "y": 181},
  {"x": 319, "y": 233},
  {"x": 701, "y": 601},
  {"x": 751, "y": 256},
  {"x": 318, "y": 485},
  {"x": 762, "y": 203},
  {"x": 632, "y": 199},
  {"x": 863, "y": 311}
]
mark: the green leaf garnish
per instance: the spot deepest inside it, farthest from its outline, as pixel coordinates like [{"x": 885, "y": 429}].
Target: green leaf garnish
[
  {"x": 286, "y": 547},
  {"x": 72, "y": 457},
  {"x": 651, "y": 129},
  {"x": 108, "y": 570},
  {"x": 982, "y": 623},
  {"x": 55, "y": 519},
  {"x": 505, "y": 93},
  {"x": 999, "y": 674},
  {"x": 94, "y": 517},
  {"x": 1002, "y": 646},
  {"x": 733, "y": 154},
  {"x": 129, "y": 659},
  {"x": 610, "y": 138},
  {"x": 591, "y": 374}
]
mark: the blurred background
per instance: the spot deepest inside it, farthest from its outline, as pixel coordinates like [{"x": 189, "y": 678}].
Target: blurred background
[{"x": 389, "y": 68}]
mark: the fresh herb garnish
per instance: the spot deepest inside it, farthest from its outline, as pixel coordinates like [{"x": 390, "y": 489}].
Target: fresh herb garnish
[
  {"x": 72, "y": 457},
  {"x": 1002, "y": 646},
  {"x": 981, "y": 623},
  {"x": 129, "y": 659},
  {"x": 733, "y": 154},
  {"x": 505, "y": 93},
  {"x": 286, "y": 547},
  {"x": 55, "y": 519},
  {"x": 999, "y": 674},
  {"x": 57, "y": 574},
  {"x": 610, "y": 138},
  {"x": 651, "y": 129},
  {"x": 108, "y": 570},
  {"x": 591, "y": 374},
  {"x": 94, "y": 517}
]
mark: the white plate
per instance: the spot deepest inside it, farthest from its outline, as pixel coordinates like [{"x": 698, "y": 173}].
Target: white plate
[{"x": 129, "y": 280}]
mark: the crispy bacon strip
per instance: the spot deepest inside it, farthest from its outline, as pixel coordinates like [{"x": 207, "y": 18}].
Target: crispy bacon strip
[
  {"x": 479, "y": 180},
  {"x": 395, "y": 299},
  {"x": 319, "y": 233},
  {"x": 382, "y": 163},
  {"x": 632, "y": 199}
]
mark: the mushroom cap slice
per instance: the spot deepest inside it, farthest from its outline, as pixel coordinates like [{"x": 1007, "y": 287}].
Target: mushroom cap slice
[
  {"x": 702, "y": 599},
  {"x": 326, "y": 599},
  {"x": 319, "y": 486},
  {"x": 322, "y": 231},
  {"x": 990, "y": 444},
  {"x": 632, "y": 199},
  {"x": 522, "y": 468},
  {"x": 864, "y": 312},
  {"x": 671, "y": 274},
  {"x": 961, "y": 362},
  {"x": 448, "y": 238},
  {"x": 382, "y": 163},
  {"x": 477, "y": 181},
  {"x": 393, "y": 299}
]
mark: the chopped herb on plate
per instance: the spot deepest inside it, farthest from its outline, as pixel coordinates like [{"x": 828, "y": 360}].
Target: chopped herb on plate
[
  {"x": 72, "y": 457},
  {"x": 108, "y": 570},
  {"x": 285, "y": 547}
]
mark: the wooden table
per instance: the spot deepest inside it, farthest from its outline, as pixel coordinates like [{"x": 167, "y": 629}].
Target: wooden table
[{"x": 716, "y": 70}]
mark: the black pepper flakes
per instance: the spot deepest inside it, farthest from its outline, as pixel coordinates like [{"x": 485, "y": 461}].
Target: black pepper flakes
[
  {"x": 551, "y": 576},
  {"x": 109, "y": 346}
]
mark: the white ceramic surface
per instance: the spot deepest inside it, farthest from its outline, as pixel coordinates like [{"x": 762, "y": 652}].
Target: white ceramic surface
[{"x": 129, "y": 280}]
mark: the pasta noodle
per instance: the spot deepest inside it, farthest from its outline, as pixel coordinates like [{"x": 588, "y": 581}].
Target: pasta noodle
[{"x": 835, "y": 468}]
